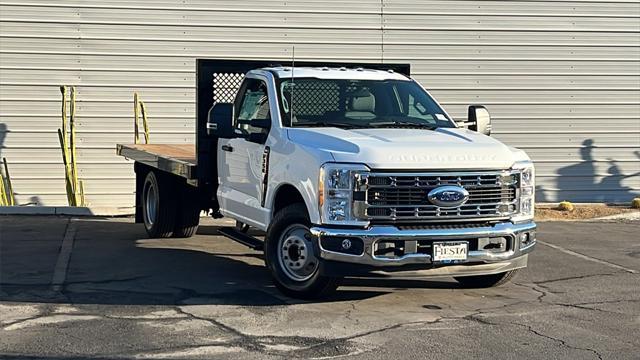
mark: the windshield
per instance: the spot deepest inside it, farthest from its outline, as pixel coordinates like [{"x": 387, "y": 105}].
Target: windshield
[{"x": 358, "y": 104}]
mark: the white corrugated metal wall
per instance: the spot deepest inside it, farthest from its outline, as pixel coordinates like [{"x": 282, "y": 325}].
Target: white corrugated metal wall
[{"x": 561, "y": 78}]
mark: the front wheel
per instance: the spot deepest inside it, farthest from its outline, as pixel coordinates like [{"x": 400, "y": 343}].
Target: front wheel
[
  {"x": 486, "y": 281},
  {"x": 290, "y": 257}
]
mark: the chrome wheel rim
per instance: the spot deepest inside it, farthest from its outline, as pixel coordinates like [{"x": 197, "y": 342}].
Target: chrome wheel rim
[
  {"x": 295, "y": 253},
  {"x": 151, "y": 203}
]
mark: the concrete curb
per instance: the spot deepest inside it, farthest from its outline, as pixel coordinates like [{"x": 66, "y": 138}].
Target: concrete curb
[
  {"x": 63, "y": 210},
  {"x": 70, "y": 211},
  {"x": 632, "y": 215}
]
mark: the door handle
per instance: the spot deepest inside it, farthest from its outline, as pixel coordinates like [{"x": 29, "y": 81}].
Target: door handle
[{"x": 228, "y": 148}]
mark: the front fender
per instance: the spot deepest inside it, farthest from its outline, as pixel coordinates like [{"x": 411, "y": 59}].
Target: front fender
[{"x": 299, "y": 167}]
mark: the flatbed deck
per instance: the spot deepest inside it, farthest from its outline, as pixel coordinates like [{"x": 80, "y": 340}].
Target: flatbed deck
[{"x": 178, "y": 159}]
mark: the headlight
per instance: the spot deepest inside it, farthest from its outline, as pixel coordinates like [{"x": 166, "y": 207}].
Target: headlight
[
  {"x": 335, "y": 193},
  {"x": 527, "y": 191}
]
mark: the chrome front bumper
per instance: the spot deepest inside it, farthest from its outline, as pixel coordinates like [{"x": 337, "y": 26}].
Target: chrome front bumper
[{"x": 478, "y": 261}]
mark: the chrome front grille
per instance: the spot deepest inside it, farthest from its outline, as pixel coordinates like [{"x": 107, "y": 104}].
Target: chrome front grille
[{"x": 404, "y": 196}]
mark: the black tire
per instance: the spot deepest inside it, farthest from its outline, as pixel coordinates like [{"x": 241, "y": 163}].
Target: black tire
[
  {"x": 486, "y": 281},
  {"x": 188, "y": 213},
  {"x": 159, "y": 219},
  {"x": 316, "y": 285}
]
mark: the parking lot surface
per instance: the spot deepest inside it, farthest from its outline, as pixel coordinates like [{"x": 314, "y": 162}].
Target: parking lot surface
[{"x": 91, "y": 288}]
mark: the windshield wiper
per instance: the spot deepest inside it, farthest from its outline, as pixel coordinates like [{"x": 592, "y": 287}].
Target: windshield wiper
[{"x": 403, "y": 124}]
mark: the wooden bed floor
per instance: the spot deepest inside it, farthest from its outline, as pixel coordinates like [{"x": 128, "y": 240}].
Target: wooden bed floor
[{"x": 182, "y": 152}]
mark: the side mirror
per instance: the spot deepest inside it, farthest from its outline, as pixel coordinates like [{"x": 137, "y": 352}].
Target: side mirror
[
  {"x": 220, "y": 122},
  {"x": 257, "y": 123},
  {"x": 479, "y": 119}
]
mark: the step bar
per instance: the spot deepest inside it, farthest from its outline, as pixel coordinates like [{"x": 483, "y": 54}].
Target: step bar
[{"x": 242, "y": 238}]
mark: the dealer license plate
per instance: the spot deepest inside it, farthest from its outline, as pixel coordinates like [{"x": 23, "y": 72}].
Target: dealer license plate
[{"x": 450, "y": 251}]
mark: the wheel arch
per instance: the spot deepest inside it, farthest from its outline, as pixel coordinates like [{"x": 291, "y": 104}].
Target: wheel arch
[{"x": 287, "y": 194}]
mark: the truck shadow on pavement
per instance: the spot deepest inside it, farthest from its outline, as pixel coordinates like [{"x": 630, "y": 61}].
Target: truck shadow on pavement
[{"x": 112, "y": 262}]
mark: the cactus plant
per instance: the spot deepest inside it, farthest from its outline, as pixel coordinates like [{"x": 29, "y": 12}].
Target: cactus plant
[{"x": 566, "y": 206}]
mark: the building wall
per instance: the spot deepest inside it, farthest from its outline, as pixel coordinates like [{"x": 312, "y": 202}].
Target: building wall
[{"x": 561, "y": 78}]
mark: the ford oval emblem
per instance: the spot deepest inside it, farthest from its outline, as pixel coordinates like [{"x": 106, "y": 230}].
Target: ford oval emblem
[{"x": 448, "y": 196}]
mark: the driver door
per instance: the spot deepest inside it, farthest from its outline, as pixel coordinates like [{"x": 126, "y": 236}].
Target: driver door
[{"x": 240, "y": 161}]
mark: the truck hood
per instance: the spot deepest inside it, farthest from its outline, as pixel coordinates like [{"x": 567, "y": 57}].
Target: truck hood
[{"x": 443, "y": 148}]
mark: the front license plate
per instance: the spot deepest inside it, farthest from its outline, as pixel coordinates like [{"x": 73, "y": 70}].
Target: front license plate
[{"x": 450, "y": 251}]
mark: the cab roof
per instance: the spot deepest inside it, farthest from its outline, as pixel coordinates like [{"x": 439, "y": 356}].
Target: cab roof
[{"x": 341, "y": 73}]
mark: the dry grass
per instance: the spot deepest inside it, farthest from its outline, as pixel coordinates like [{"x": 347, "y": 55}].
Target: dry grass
[{"x": 580, "y": 212}]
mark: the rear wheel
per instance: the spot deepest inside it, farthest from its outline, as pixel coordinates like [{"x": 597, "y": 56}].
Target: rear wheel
[
  {"x": 158, "y": 205},
  {"x": 486, "y": 281},
  {"x": 290, "y": 257},
  {"x": 188, "y": 216}
]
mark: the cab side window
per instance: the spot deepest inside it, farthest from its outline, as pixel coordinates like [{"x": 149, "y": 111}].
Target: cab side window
[{"x": 254, "y": 105}]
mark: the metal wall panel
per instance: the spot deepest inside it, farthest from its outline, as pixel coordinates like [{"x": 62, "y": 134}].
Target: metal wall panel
[{"x": 561, "y": 78}]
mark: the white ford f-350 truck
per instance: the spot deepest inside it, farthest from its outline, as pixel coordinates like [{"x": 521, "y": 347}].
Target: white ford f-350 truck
[{"x": 349, "y": 170}]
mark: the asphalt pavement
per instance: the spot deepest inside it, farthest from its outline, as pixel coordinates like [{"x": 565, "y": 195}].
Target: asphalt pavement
[{"x": 89, "y": 288}]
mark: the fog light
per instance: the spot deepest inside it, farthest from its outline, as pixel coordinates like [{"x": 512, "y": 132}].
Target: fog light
[
  {"x": 498, "y": 244},
  {"x": 344, "y": 245},
  {"x": 526, "y": 239}
]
